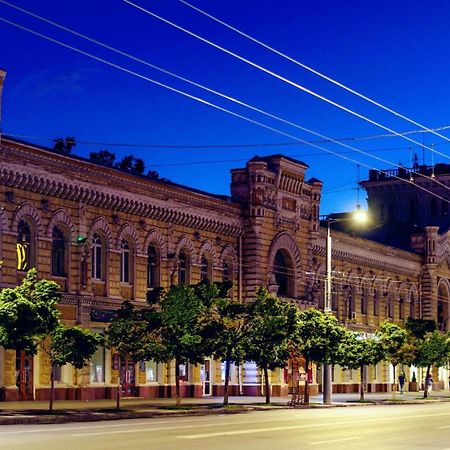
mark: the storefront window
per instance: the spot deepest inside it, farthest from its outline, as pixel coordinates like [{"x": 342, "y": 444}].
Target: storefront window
[
  {"x": 97, "y": 366},
  {"x": 184, "y": 372},
  {"x": 151, "y": 371}
]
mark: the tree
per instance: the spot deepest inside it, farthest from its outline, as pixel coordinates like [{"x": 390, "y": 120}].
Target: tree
[
  {"x": 317, "y": 338},
  {"x": 272, "y": 325},
  {"x": 228, "y": 329},
  {"x": 103, "y": 157},
  {"x": 395, "y": 345},
  {"x": 358, "y": 351},
  {"x": 183, "y": 322},
  {"x": 69, "y": 345},
  {"x": 133, "y": 335},
  {"x": 64, "y": 145},
  {"x": 28, "y": 313},
  {"x": 131, "y": 164},
  {"x": 433, "y": 350}
]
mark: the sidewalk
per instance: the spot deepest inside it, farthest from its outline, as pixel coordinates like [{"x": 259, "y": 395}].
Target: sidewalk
[{"x": 86, "y": 411}]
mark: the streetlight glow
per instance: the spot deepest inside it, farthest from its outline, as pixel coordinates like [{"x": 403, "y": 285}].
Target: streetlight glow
[{"x": 360, "y": 216}]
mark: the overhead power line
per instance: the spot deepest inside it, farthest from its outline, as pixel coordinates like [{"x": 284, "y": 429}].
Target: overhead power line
[
  {"x": 279, "y": 77},
  {"x": 218, "y": 93},
  {"x": 316, "y": 72},
  {"x": 205, "y": 102}
]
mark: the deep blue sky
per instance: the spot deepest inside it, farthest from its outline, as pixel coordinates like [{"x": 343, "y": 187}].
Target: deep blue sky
[{"x": 396, "y": 52}]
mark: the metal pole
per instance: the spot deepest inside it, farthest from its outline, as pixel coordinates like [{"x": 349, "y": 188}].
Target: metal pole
[{"x": 327, "y": 379}]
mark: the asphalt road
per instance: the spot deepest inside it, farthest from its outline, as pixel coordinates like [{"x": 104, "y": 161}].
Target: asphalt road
[{"x": 363, "y": 427}]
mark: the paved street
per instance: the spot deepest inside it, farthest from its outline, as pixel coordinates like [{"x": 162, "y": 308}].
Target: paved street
[{"x": 374, "y": 427}]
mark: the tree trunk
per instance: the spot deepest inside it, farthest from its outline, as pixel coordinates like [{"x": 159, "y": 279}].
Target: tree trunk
[
  {"x": 427, "y": 376},
  {"x": 306, "y": 396},
  {"x": 267, "y": 384},
  {"x": 177, "y": 382},
  {"x": 394, "y": 387},
  {"x": 52, "y": 387},
  {"x": 227, "y": 382},
  {"x": 119, "y": 387},
  {"x": 361, "y": 384}
]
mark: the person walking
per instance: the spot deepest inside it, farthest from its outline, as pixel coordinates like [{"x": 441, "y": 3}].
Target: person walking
[
  {"x": 429, "y": 384},
  {"x": 401, "y": 382}
]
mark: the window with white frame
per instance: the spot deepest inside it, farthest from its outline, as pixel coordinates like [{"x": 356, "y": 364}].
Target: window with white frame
[
  {"x": 125, "y": 262},
  {"x": 97, "y": 259}
]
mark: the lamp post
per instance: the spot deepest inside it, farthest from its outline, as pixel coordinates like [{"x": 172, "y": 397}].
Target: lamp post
[{"x": 360, "y": 217}]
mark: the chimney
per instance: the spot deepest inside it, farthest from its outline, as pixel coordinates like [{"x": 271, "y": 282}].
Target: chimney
[{"x": 2, "y": 79}]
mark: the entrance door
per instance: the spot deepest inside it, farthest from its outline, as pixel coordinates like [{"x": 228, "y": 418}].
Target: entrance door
[
  {"x": 128, "y": 379},
  {"x": 24, "y": 375},
  {"x": 205, "y": 376}
]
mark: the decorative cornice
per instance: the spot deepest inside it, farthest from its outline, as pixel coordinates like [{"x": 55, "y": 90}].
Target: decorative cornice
[
  {"x": 35, "y": 179},
  {"x": 365, "y": 257}
]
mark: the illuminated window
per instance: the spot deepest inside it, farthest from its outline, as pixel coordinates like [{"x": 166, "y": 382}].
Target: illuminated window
[
  {"x": 184, "y": 372},
  {"x": 151, "y": 371},
  {"x": 97, "y": 366},
  {"x": 97, "y": 258},
  {"x": 24, "y": 246},
  {"x": 58, "y": 252},
  {"x": 125, "y": 261}
]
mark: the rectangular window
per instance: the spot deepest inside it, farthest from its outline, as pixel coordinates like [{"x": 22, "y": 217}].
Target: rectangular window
[
  {"x": 151, "y": 371},
  {"x": 184, "y": 372},
  {"x": 57, "y": 374},
  {"x": 97, "y": 366}
]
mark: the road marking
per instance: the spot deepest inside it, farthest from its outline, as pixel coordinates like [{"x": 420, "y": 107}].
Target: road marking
[
  {"x": 444, "y": 426},
  {"x": 335, "y": 440}
]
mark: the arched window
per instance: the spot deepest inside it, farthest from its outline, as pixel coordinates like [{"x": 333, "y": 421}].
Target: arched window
[
  {"x": 24, "y": 246},
  {"x": 97, "y": 254},
  {"x": 390, "y": 306},
  {"x": 364, "y": 302},
  {"x": 401, "y": 310},
  {"x": 152, "y": 267},
  {"x": 376, "y": 303},
  {"x": 284, "y": 274},
  {"x": 412, "y": 312},
  {"x": 58, "y": 252},
  {"x": 125, "y": 262},
  {"x": 226, "y": 272},
  {"x": 183, "y": 268},
  {"x": 205, "y": 270}
]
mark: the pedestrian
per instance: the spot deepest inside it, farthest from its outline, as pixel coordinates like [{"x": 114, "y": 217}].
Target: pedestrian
[{"x": 401, "y": 382}]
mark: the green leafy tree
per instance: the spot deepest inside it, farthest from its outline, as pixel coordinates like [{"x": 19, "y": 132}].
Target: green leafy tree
[
  {"x": 318, "y": 338},
  {"x": 131, "y": 164},
  {"x": 228, "y": 330},
  {"x": 134, "y": 335},
  {"x": 397, "y": 348},
  {"x": 64, "y": 145},
  {"x": 184, "y": 320},
  {"x": 103, "y": 157},
  {"x": 28, "y": 313},
  {"x": 69, "y": 345},
  {"x": 357, "y": 352},
  {"x": 433, "y": 350},
  {"x": 272, "y": 325}
]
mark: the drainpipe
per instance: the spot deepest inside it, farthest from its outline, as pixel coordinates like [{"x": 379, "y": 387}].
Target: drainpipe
[{"x": 240, "y": 269}]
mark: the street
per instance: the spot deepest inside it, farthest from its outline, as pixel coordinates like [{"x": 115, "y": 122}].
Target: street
[{"x": 373, "y": 427}]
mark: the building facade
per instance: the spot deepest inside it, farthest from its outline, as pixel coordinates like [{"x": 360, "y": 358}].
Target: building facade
[{"x": 106, "y": 236}]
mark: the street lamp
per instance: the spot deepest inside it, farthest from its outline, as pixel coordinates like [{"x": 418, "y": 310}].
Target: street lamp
[{"x": 359, "y": 216}]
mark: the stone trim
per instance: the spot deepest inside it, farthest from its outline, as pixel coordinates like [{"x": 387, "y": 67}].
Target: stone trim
[
  {"x": 27, "y": 210},
  {"x": 61, "y": 216},
  {"x": 129, "y": 230}
]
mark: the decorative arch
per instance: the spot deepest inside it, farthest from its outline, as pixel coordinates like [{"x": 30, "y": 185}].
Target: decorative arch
[
  {"x": 61, "y": 216},
  {"x": 286, "y": 244},
  {"x": 284, "y": 241},
  {"x": 207, "y": 247},
  {"x": 185, "y": 242},
  {"x": 443, "y": 291},
  {"x": 3, "y": 220},
  {"x": 27, "y": 210},
  {"x": 129, "y": 230},
  {"x": 155, "y": 237},
  {"x": 228, "y": 252},
  {"x": 101, "y": 225}
]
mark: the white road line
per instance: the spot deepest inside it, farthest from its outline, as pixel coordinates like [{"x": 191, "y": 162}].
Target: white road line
[
  {"x": 443, "y": 426},
  {"x": 335, "y": 440}
]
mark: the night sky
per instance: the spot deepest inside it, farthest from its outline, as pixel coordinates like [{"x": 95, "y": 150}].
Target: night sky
[{"x": 396, "y": 52}]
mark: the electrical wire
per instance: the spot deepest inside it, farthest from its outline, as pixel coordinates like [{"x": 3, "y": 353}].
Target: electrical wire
[
  {"x": 315, "y": 72},
  {"x": 279, "y": 77},
  {"x": 215, "y": 92},
  {"x": 205, "y": 102}
]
